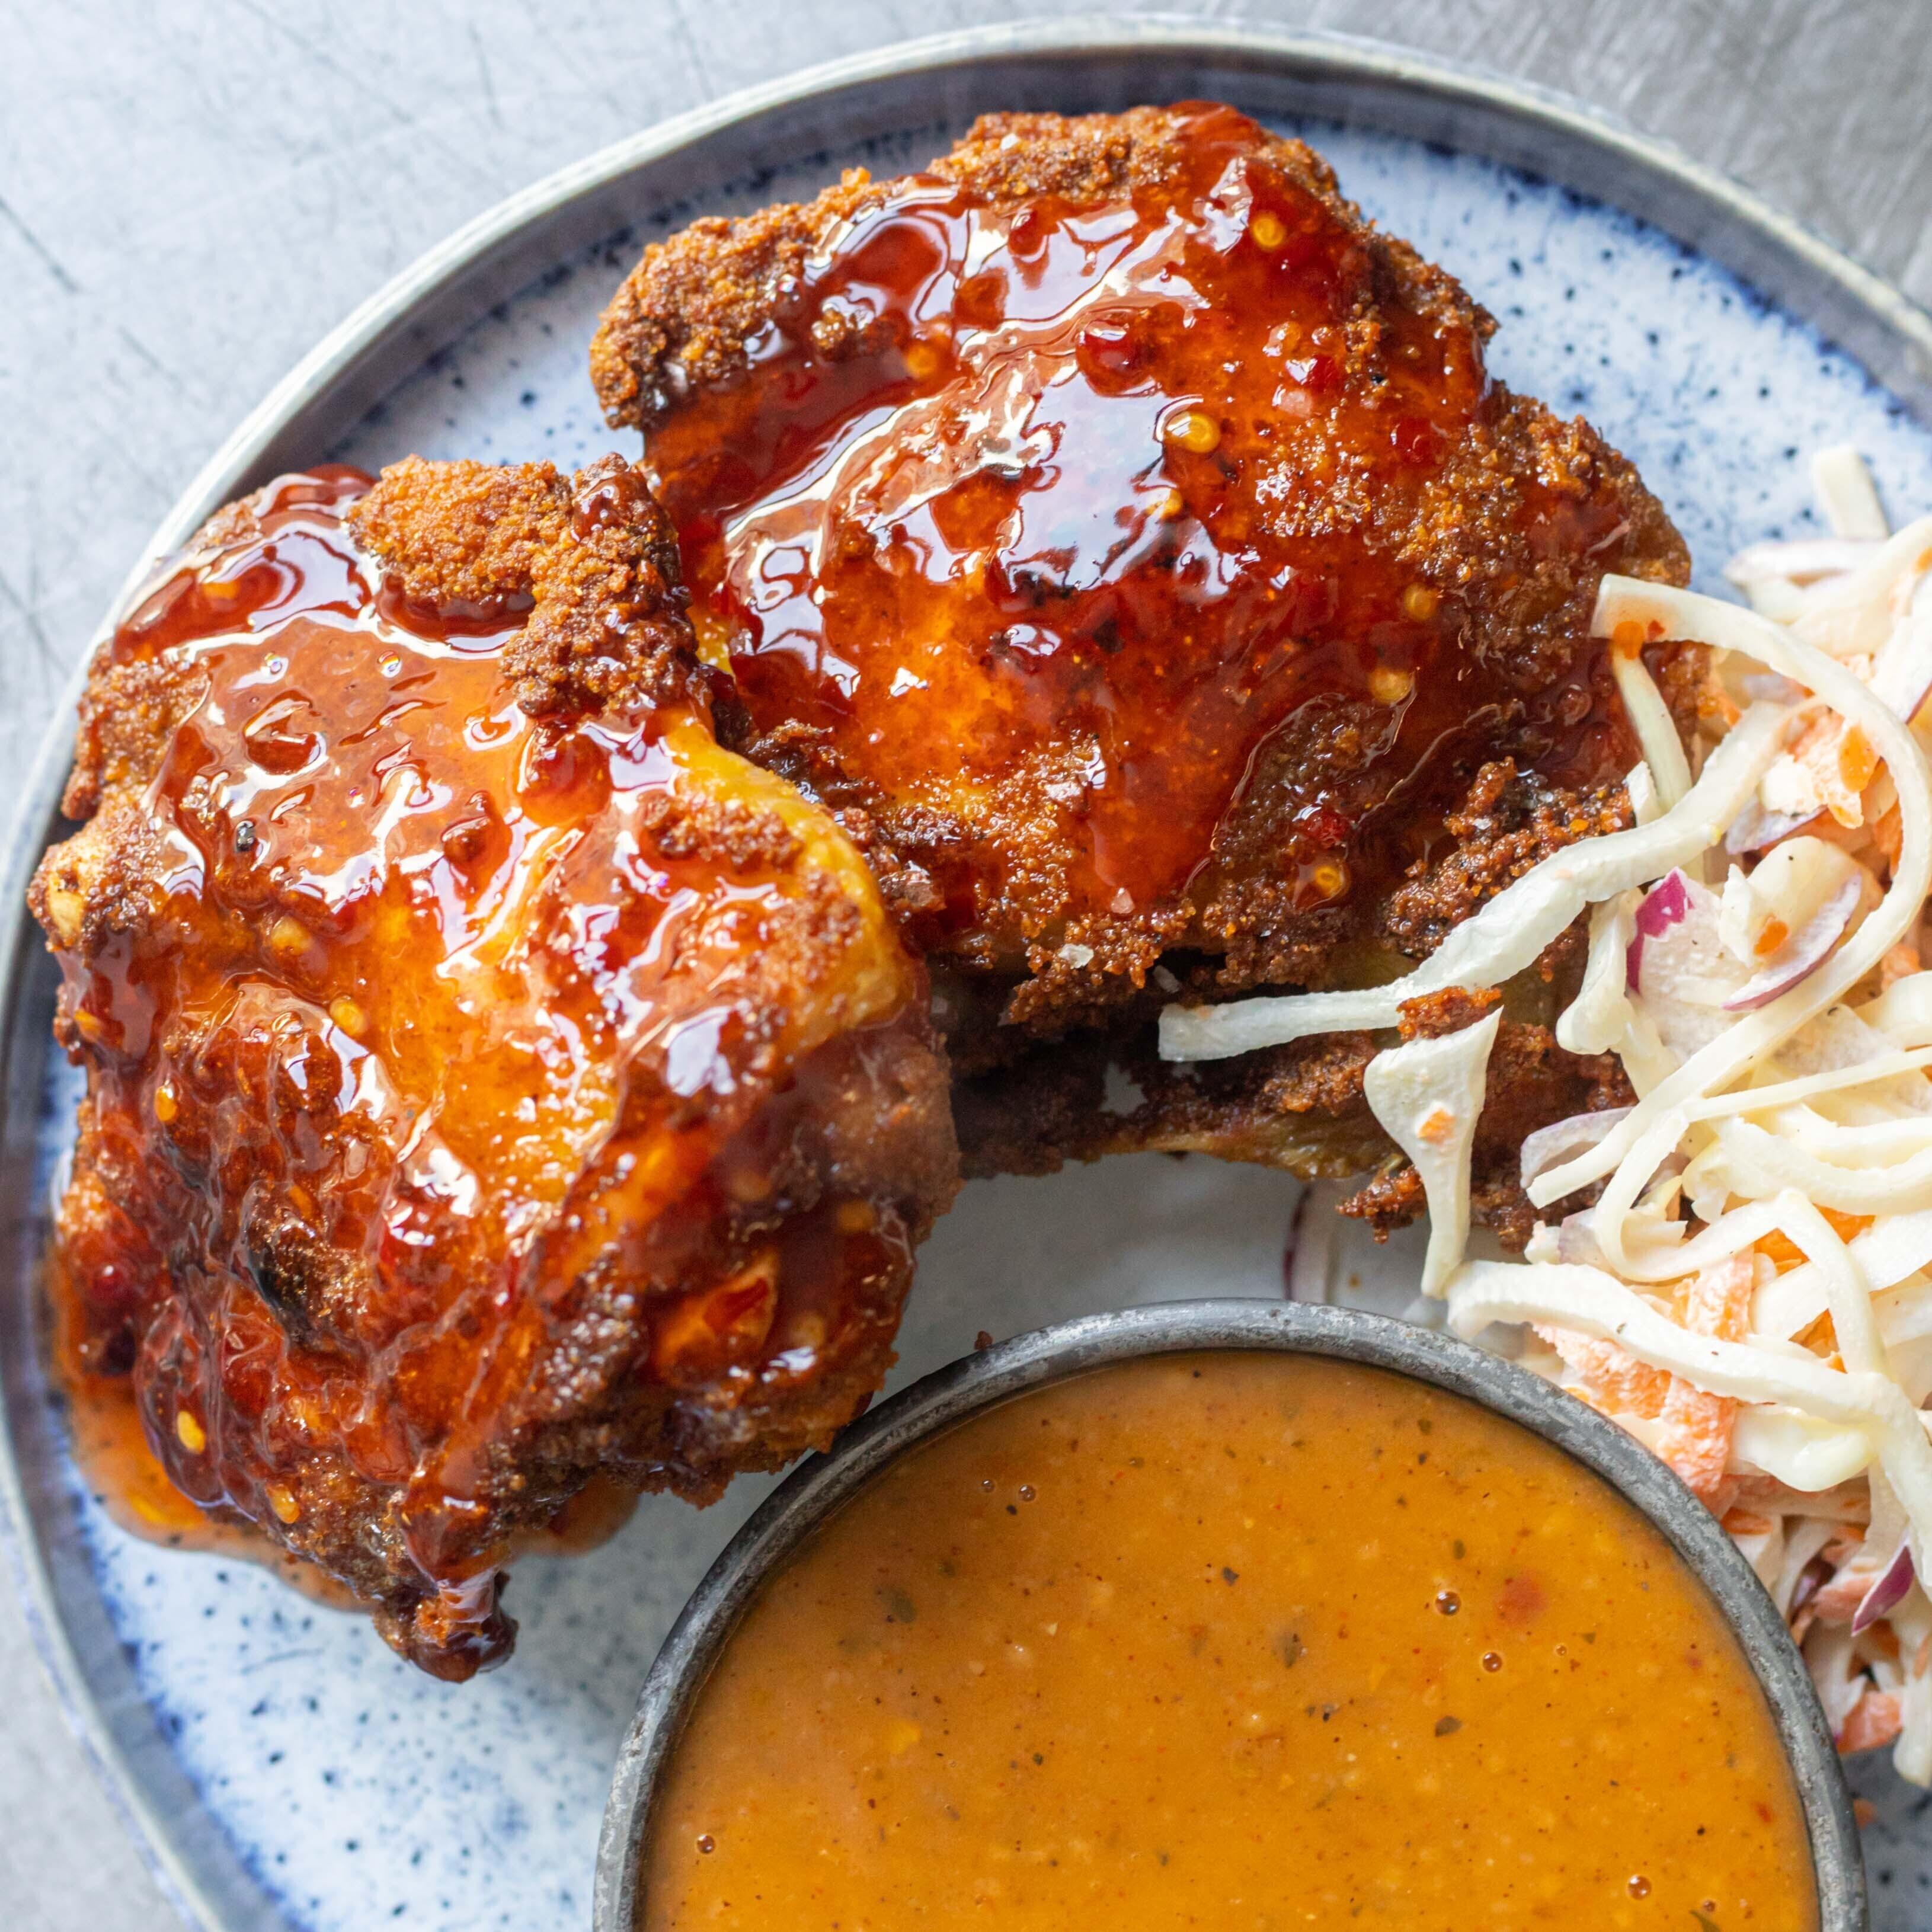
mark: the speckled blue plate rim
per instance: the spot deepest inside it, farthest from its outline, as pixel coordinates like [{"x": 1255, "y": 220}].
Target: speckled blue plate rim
[
  {"x": 965, "y": 1390},
  {"x": 1075, "y": 64}
]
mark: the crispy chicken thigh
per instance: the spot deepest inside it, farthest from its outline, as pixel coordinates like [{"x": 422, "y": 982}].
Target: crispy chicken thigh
[
  {"x": 1126, "y": 540},
  {"x": 511, "y": 1057},
  {"x": 492, "y": 1081}
]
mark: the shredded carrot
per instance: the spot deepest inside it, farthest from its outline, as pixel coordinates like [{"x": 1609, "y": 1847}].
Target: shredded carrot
[
  {"x": 1846, "y": 1227},
  {"x": 1824, "y": 749},
  {"x": 1858, "y": 762},
  {"x": 1888, "y": 835},
  {"x": 1696, "y": 1438},
  {"x": 1837, "y": 1602},
  {"x": 1783, "y": 1253},
  {"x": 1607, "y": 1376},
  {"x": 1877, "y": 1719},
  {"x": 1821, "y": 1337},
  {"x": 1900, "y": 963}
]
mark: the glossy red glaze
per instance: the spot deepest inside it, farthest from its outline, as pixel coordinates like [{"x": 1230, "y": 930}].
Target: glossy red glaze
[
  {"x": 1083, "y": 505},
  {"x": 428, "y": 1027}
]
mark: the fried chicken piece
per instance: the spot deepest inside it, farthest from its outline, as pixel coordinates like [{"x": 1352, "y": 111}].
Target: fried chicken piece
[
  {"x": 1132, "y": 585},
  {"x": 493, "y": 1082},
  {"x": 1126, "y": 540},
  {"x": 1300, "y": 1107}
]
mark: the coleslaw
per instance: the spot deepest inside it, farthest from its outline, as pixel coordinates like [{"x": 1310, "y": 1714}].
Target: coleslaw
[{"x": 1737, "y": 1267}]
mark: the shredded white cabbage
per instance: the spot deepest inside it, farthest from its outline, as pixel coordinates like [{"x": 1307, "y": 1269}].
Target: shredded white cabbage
[
  {"x": 1641, "y": 789},
  {"x": 1847, "y": 495},
  {"x": 1853, "y": 613},
  {"x": 1601, "y": 1015},
  {"x": 1509, "y": 934},
  {"x": 1664, "y": 753},
  {"x": 1657, "y": 1122},
  {"x": 1777, "y": 1163},
  {"x": 1427, "y": 1095},
  {"x": 1903, "y": 1012}
]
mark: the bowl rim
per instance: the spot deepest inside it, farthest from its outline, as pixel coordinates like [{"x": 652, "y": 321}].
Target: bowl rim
[{"x": 991, "y": 1377}]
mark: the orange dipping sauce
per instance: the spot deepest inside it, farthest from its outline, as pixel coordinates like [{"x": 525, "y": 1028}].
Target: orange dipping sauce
[{"x": 1233, "y": 1640}]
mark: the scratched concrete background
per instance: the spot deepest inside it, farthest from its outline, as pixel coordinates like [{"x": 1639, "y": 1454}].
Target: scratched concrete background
[{"x": 192, "y": 191}]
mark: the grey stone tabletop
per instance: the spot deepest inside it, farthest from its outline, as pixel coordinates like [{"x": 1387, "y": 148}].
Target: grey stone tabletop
[{"x": 192, "y": 193}]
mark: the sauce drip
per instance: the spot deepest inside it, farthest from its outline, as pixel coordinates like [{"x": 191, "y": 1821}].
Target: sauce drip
[
  {"x": 1054, "y": 518},
  {"x": 429, "y": 1011},
  {"x": 1239, "y": 1640}
]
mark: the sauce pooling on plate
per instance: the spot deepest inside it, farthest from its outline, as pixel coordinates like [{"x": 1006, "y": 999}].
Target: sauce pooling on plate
[{"x": 1235, "y": 1640}]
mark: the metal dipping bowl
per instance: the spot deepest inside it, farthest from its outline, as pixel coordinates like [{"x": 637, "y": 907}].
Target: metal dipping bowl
[{"x": 821, "y": 1485}]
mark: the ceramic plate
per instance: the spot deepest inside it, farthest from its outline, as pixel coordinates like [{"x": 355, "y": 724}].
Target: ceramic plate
[{"x": 284, "y": 1768}]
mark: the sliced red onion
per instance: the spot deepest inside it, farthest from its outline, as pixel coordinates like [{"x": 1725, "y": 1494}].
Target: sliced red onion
[
  {"x": 1754, "y": 829},
  {"x": 1551, "y": 1146},
  {"x": 1887, "y": 1593},
  {"x": 1576, "y": 1235},
  {"x": 1804, "y": 952},
  {"x": 1666, "y": 902},
  {"x": 1811, "y": 1580}
]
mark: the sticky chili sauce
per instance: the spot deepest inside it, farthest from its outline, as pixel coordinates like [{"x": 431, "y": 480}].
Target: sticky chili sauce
[
  {"x": 1232, "y": 1640},
  {"x": 1071, "y": 524}
]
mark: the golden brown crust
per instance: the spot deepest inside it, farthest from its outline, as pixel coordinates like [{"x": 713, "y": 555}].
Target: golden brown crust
[
  {"x": 1507, "y": 528},
  {"x": 685, "y": 315},
  {"x": 1529, "y": 608},
  {"x": 1506, "y": 823},
  {"x": 593, "y": 552},
  {"x": 1299, "y": 1108},
  {"x": 127, "y": 712},
  {"x": 1013, "y": 158},
  {"x": 640, "y": 1364}
]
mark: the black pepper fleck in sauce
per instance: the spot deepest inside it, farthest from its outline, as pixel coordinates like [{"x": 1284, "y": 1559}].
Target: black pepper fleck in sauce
[{"x": 1086, "y": 1726}]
